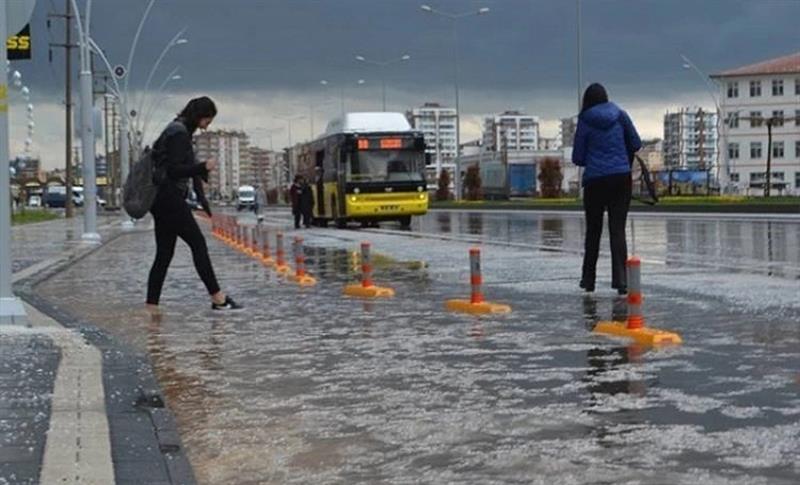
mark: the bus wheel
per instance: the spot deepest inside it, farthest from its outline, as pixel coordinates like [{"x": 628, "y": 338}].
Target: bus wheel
[{"x": 405, "y": 222}]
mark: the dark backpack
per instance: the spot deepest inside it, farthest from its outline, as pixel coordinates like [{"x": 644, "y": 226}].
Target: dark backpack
[
  {"x": 140, "y": 189},
  {"x": 144, "y": 179}
]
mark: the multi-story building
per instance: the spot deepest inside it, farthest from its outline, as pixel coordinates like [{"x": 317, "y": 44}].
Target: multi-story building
[
  {"x": 231, "y": 150},
  {"x": 438, "y": 125},
  {"x": 512, "y": 131},
  {"x": 690, "y": 139},
  {"x": 567, "y": 131},
  {"x": 549, "y": 143},
  {"x": 752, "y": 97},
  {"x": 652, "y": 152}
]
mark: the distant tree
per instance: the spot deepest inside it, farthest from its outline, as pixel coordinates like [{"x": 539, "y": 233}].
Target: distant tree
[
  {"x": 443, "y": 191},
  {"x": 472, "y": 183},
  {"x": 550, "y": 177}
]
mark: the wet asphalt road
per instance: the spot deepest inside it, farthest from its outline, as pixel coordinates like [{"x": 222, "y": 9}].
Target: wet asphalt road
[{"x": 306, "y": 386}]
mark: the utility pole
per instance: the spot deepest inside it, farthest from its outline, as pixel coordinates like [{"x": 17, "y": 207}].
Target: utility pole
[
  {"x": 104, "y": 91},
  {"x": 67, "y": 46}
]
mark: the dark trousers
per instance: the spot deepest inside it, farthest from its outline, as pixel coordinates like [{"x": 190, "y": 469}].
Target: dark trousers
[
  {"x": 173, "y": 220},
  {"x": 612, "y": 194},
  {"x": 297, "y": 214}
]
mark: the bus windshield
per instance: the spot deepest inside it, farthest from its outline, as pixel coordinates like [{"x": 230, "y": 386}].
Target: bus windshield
[{"x": 385, "y": 166}]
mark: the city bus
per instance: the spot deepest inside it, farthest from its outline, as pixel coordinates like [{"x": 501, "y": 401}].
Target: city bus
[{"x": 367, "y": 168}]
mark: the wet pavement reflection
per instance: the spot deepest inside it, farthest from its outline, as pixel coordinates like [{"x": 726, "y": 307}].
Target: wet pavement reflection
[
  {"x": 770, "y": 247},
  {"x": 306, "y": 386}
]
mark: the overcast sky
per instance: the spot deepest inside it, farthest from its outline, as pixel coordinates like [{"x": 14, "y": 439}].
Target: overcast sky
[{"x": 264, "y": 58}]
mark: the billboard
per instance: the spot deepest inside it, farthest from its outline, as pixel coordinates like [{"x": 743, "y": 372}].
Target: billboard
[{"x": 19, "y": 46}]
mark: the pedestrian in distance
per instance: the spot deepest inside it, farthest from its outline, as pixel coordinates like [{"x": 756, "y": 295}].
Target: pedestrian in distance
[
  {"x": 306, "y": 202},
  {"x": 605, "y": 144},
  {"x": 175, "y": 166},
  {"x": 294, "y": 197}
]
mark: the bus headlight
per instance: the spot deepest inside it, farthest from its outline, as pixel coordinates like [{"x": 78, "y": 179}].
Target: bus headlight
[
  {"x": 352, "y": 198},
  {"x": 421, "y": 196},
  {"x": 356, "y": 190},
  {"x": 419, "y": 189}
]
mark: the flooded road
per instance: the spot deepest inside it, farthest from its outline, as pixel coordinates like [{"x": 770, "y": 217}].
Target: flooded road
[{"x": 306, "y": 386}]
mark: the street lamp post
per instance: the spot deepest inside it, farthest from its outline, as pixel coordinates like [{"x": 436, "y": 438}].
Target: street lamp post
[
  {"x": 90, "y": 234},
  {"x": 383, "y": 65},
  {"x": 178, "y": 39},
  {"x": 11, "y": 309},
  {"x": 454, "y": 18},
  {"x": 325, "y": 82},
  {"x": 288, "y": 121},
  {"x": 158, "y": 98},
  {"x": 723, "y": 171}
]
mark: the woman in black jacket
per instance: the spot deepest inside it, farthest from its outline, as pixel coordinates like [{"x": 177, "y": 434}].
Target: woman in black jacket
[{"x": 176, "y": 165}]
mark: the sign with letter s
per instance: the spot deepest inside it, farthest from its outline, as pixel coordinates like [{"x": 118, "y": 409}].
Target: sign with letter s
[{"x": 19, "y": 46}]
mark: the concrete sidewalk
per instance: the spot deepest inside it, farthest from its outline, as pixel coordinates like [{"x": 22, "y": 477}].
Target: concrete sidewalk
[{"x": 76, "y": 405}]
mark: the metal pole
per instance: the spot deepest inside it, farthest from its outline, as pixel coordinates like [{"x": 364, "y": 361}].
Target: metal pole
[
  {"x": 457, "y": 179},
  {"x": 124, "y": 159},
  {"x": 109, "y": 171},
  {"x": 383, "y": 81},
  {"x": 90, "y": 234},
  {"x": 69, "y": 207},
  {"x": 11, "y": 309},
  {"x": 769, "y": 158},
  {"x": 579, "y": 56}
]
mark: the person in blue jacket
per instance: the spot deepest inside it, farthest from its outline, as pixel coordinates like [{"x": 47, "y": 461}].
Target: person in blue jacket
[{"x": 605, "y": 143}]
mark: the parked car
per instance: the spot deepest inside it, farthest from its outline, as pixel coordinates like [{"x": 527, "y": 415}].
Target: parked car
[
  {"x": 35, "y": 201},
  {"x": 55, "y": 196}
]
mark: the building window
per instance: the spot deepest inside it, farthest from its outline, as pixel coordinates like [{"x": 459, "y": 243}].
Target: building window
[
  {"x": 735, "y": 177},
  {"x": 755, "y": 89},
  {"x": 777, "y": 118},
  {"x": 777, "y": 87},
  {"x": 755, "y": 119},
  {"x": 797, "y": 117},
  {"x": 797, "y": 180},
  {"x": 733, "y": 120},
  {"x": 733, "y": 89},
  {"x": 777, "y": 149},
  {"x": 733, "y": 151},
  {"x": 797, "y": 87},
  {"x": 797, "y": 149},
  {"x": 755, "y": 149}
]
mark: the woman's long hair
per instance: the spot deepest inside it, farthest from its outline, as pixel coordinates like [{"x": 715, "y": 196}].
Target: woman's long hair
[
  {"x": 595, "y": 94},
  {"x": 195, "y": 110}
]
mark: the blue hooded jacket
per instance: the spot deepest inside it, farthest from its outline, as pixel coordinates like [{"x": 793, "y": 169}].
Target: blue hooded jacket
[{"x": 605, "y": 139}]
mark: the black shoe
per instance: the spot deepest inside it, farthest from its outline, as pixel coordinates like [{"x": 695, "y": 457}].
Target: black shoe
[
  {"x": 622, "y": 290},
  {"x": 228, "y": 305},
  {"x": 588, "y": 288}
]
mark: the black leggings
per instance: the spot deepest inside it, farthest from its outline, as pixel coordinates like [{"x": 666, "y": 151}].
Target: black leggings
[
  {"x": 174, "y": 219},
  {"x": 612, "y": 193}
]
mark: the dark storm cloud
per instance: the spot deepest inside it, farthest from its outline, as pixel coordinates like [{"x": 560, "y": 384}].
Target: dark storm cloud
[{"x": 521, "y": 46}]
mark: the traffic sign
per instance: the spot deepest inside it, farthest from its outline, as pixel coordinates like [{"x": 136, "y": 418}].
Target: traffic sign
[{"x": 119, "y": 71}]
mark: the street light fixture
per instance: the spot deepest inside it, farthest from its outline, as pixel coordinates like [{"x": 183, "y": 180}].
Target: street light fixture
[
  {"x": 326, "y": 83},
  {"x": 383, "y": 65},
  {"x": 454, "y": 17},
  {"x": 178, "y": 39},
  {"x": 157, "y": 101},
  {"x": 723, "y": 171}
]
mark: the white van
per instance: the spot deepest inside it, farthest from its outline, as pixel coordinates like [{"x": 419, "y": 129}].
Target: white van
[{"x": 246, "y": 198}]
